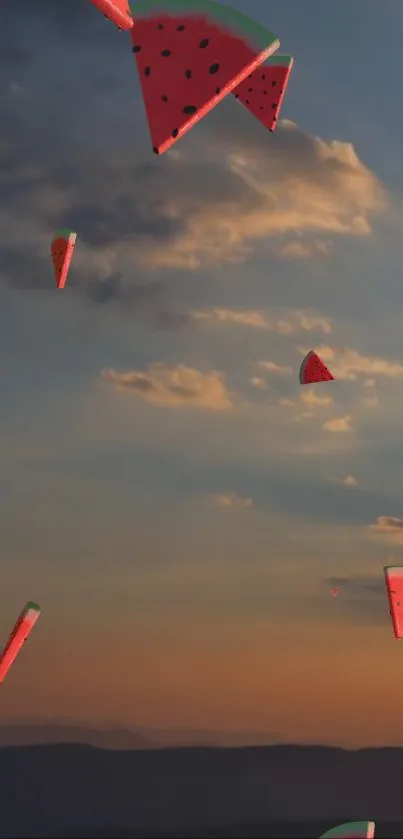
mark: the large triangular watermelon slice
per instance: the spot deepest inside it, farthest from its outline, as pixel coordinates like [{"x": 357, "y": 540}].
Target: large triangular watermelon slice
[
  {"x": 313, "y": 370},
  {"x": 263, "y": 91},
  {"x": 190, "y": 54},
  {"x": 118, "y": 11},
  {"x": 351, "y": 830},
  {"x": 62, "y": 251}
]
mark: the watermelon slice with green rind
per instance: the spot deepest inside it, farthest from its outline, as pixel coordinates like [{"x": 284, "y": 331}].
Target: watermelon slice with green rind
[
  {"x": 313, "y": 370},
  {"x": 62, "y": 248},
  {"x": 118, "y": 11},
  {"x": 19, "y": 635},
  {"x": 394, "y": 588},
  {"x": 263, "y": 91},
  {"x": 351, "y": 830},
  {"x": 190, "y": 54}
]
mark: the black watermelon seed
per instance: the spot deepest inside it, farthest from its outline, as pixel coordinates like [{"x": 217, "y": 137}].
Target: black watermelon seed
[
  {"x": 160, "y": 26},
  {"x": 263, "y": 76},
  {"x": 188, "y": 74},
  {"x": 166, "y": 53},
  {"x": 214, "y": 68},
  {"x": 204, "y": 43},
  {"x": 261, "y": 108},
  {"x": 273, "y": 84},
  {"x": 237, "y": 96},
  {"x": 275, "y": 105},
  {"x": 175, "y": 132},
  {"x": 189, "y": 109},
  {"x": 265, "y": 92},
  {"x": 218, "y": 90},
  {"x": 250, "y": 89},
  {"x": 136, "y": 48},
  {"x": 155, "y": 150},
  {"x": 246, "y": 101},
  {"x": 164, "y": 98},
  {"x": 147, "y": 71},
  {"x": 180, "y": 28}
]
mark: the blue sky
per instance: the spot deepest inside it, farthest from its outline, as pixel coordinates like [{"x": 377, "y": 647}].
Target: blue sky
[{"x": 168, "y": 489}]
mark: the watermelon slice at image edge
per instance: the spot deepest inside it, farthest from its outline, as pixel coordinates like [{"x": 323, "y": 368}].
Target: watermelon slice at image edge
[
  {"x": 62, "y": 248},
  {"x": 313, "y": 370},
  {"x": 19, "y": 635},
  {"x": 394, "y": 587},
  {"x": 190, "y": 54},
  {"x": 351, "y": 830},
  {"x": 118, "y": 11},
  {"x": 263, "y": 91}
]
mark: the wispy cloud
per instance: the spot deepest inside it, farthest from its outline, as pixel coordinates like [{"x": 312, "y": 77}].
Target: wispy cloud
[
  {"x": 310, "y": 397},
  {"x": 231, "y": 499},
  {"x": 338, "y": 425},
  {"x": 349, "y": 481},
  {"x": 389, "y": 528},
  {"x": 305, "y": 250},
  {"x": 290, "y": 323},
  {"x": 277, "y": 369},
  {"x": 173, "y": 386}
]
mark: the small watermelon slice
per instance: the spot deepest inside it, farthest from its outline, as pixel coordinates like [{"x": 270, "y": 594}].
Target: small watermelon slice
[
  {"x": 394, "y": 587},
  {"x": 118, "y": 11},
  {"x": 313, "y": 370},
  {"x": 62, "y": 251},
  {"x": 190, "y": 54},
  {"x": 351, "y": 830},
  {"x": 263, "y": 91},
  {"x": 19, "y": 635}
]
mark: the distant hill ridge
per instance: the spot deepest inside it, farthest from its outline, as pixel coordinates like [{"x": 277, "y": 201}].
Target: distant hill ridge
[{"x": 70, "y": 790}]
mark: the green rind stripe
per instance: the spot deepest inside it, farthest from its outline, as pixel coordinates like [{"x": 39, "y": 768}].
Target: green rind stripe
[
  {"x": 235, "y": 21},
  {"x": 353, "y": 829},
  {"x": 32, "y": 605},
  {"x": 64, "y": 233},
  {"x": 279, "y": 61}
]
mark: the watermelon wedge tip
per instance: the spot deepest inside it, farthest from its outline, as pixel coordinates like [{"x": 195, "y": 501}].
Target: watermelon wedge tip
[
  {"x": 262, "y": 92},
  {"x": 62, "y": 248}
]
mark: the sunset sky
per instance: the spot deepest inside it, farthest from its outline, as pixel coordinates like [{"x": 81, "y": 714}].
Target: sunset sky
[{"x": 175, "y": 501}]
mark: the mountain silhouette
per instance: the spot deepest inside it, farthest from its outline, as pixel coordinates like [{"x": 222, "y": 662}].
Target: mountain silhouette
[{"x": 80, "y": 791}]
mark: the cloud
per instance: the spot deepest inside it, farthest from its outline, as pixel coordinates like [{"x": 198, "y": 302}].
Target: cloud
[
  {"x": 348, "y": 364},
  {"x": 290, "y": 323},
  {"x": 173, "y": 386},
  {"x": 389, "y": 528},
  {"x": 212, "y": 201},
  {"x": 231, "y": 499},
  {"x": 239, "y": 317},
  {"x": 309, "y": 397},
  {"x": 255, "y": 381},
  {"x": 361, "y": 585},
  {"x": 272, "y": 367},
  {"x": 338, "y": 425},
  {"x": 349, "y": 481},
  {"x": 304, "y": 250}
]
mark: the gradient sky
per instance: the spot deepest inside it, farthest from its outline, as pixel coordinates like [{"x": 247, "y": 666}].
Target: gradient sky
[{"x": 178, "y": 505}]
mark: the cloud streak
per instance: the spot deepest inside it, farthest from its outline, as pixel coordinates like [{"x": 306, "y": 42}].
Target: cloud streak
[{"x": 173, "y": 386}]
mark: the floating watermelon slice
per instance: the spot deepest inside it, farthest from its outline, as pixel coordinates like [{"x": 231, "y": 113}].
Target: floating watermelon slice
[
  {"x": 190, "y": 54},
  {"x": 313, "y": 370},
  {"x": 394, "y": 587},
  {"x": 118, "y": 11},
  {"x": 62, "y": 251},
  {"x": 263, "y": 91},
  {"x": 351, "y": 830},
  {"x": 25, "y": 623}
]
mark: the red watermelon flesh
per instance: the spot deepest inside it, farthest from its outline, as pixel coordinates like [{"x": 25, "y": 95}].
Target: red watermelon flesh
[
  {"x": 263, "y": 91},
  {"x": 118, "y": 11},
  {"x": 394, "y": 587},
  {"x": 62, "y": 251},
  {"x": 190, "y": 54},
  {"x": 313, "y": 370}
]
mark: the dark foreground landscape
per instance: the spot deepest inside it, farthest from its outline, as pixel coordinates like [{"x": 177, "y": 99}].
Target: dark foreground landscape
[{"x": 68, "y": 791}]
